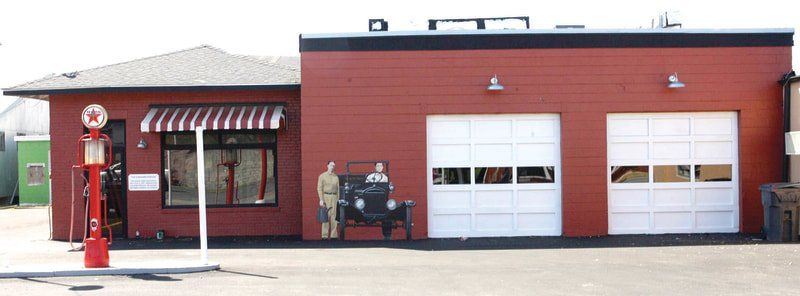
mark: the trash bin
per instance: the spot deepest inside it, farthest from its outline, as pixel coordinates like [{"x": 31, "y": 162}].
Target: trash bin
[{"x": 781, "y": 203}]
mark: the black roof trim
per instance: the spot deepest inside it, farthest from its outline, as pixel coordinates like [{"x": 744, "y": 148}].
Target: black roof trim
[
  {"x": 552, "y": 40},
  {"x": 35, "y": 92}
]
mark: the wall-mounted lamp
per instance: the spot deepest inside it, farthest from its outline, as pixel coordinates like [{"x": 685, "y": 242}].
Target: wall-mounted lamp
[
  {"x": 674, "y": 82},
  {"x": 142, "y": 144},
  {"x": 494, "y": 84}
]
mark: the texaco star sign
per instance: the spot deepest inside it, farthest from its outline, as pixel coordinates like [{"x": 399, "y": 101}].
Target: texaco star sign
[{"x": 94, "y": 116}]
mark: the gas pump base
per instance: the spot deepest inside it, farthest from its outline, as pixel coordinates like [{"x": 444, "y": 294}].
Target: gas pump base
[{"x": 96, "y": 253}]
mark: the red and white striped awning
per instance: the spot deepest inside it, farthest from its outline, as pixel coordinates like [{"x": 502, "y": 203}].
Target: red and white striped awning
[{"x": 177, "y": 118}]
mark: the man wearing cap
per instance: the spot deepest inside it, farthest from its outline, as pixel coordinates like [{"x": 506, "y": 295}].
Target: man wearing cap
[{"x": 328, "y": 191}]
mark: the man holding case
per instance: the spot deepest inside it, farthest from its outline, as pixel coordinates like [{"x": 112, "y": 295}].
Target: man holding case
[{"x": 328, "y": 191}]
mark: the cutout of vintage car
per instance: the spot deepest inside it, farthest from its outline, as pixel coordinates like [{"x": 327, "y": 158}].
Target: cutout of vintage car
[{"x": 364, "y": 200}]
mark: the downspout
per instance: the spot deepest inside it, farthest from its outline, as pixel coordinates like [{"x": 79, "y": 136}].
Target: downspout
[{"x": 787, "y": 93}]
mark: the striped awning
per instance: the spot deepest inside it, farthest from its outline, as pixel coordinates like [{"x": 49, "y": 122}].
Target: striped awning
[{"x": 239, "y": 117}]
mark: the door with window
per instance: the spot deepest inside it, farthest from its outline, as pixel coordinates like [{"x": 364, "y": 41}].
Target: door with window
[
  {"x": 494, "y": 175},
  {"x": 114, "y": 180},
  {"x": 673, "y": 173}
]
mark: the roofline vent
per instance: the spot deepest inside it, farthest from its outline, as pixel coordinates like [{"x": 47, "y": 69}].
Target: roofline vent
[
  {"x": 377, "y": 25},
  {"x": 479, "y": 23},
  {"x": 671, "y": 19},
  {"x": 570, "y": 26}
]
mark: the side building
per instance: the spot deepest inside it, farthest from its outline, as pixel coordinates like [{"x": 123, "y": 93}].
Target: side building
[{"x": 23, "y": 117}]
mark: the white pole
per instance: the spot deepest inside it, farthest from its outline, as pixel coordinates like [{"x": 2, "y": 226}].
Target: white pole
[{"x": 201, "y": 195}]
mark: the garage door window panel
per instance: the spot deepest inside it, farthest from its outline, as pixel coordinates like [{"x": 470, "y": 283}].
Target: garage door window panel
[
  {"x": 713, "y": 173},
  {"x": 630, "y": 174},
  {"x": 451, "y": 176},
  {"x": 672, "y": 173},
  {"x": 537, "y": 174},
  {"x": 493, "y": 175}
]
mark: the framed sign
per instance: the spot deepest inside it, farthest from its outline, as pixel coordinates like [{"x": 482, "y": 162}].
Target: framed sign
[{"x": 143, "y": 182}]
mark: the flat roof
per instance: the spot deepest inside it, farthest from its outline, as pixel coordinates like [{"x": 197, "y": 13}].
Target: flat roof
[{"x": 550, "y": 38}]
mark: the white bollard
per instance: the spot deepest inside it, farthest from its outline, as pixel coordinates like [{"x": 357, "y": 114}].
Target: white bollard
[{"x": 201, "y": 195}]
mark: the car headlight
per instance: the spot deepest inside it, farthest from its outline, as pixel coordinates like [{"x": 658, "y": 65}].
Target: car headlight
[
  {"x": 360, "y": 204},
  {"x": 391, "y": 204}
]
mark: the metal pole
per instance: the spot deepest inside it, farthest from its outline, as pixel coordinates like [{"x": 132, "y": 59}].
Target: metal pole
[{"x": 201, "y": 195}]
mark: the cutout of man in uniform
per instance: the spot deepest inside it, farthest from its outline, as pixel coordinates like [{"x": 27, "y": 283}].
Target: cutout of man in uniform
[
  {"x": 377, "y": 176},
  {"x": 328, "y": 191}
]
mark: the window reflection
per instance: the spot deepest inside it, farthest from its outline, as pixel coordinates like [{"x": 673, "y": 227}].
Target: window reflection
[
  {"x": 450, "y": 176},
  {"x": 181, "y": 168},
  {"x": 713, "y": 173},
  {"x": 671, "y": 173},
  {"x": 630, "y": 174},
  {"x": 493, "y": 175},
  {"x": 540, "y": 174}
]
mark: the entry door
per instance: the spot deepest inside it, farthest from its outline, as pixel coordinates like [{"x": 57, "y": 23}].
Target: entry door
[
  {"x": 494, "y": 175},
  {"x": 673, "y": 173},
  {"x": 116, "y": 183}
]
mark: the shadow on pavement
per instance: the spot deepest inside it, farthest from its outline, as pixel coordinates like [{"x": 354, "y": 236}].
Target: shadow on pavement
[
  {"x": 616, "y": 241},
  {"x": 71, "y": 287},
  {"x": 153, "y": 277},
  {"x": 247, "y": 274}
]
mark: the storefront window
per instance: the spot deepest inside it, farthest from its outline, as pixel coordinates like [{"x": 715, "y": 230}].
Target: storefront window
[
  {"x": 236, "y": 173},
  {"x": 538, "y": 174},
  {"x": 630, "y": 174},
  {"x": 493, "y": 175},
  {"x": 450, "y": 176}
]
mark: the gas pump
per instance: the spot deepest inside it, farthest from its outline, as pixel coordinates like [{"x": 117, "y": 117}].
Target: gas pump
[
  {"x": 94, "y": 155},
  {"x": 230, "y": 160}
]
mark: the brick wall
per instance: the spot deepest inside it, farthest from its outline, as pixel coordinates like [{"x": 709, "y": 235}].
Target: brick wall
[
  {"x": 373, "y": 105},
  {"x": 145, "y": 212}
]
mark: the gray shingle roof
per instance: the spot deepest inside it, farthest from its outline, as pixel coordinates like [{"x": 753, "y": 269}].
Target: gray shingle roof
[{"x": 199, "y": 66}]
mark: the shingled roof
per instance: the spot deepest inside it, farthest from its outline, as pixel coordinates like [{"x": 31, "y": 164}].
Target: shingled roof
[{"x": 194, "y": 68}]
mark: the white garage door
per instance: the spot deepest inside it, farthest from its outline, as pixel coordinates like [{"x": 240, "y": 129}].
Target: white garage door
[
  {"x": 673, "y": 173},
  {"x": 494, "y": 175}
]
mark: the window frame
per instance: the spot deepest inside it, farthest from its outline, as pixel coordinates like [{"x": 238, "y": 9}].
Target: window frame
[{"x": 219, "y": 133}]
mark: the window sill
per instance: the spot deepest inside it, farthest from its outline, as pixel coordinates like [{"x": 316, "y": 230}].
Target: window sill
[{"x": 223, "y": 209}]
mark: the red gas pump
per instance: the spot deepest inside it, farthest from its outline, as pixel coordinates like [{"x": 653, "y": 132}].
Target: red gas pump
[
  {"x": 230, "y": 160},
  {"x": 94, "y": 157}
]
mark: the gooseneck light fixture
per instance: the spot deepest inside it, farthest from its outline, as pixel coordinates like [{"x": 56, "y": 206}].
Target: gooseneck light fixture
[
  {"x": 494, "y": 84},
  {"x": 674, "y": 82}
]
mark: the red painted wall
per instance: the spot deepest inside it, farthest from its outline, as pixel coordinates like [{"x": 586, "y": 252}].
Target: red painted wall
[
  {"x": 373, "y": 105},
  {"x": 145, "y": 213}
]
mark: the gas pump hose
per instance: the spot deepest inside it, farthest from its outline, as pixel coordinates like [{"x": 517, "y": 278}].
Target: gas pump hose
[{"x": 72, "y": 210}]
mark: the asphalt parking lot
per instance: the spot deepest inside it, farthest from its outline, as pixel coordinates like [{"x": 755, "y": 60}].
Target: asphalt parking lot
[{"x": 653, "y": 265}]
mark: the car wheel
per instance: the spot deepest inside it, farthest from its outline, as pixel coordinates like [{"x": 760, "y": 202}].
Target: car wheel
[
  {"x": 342, "y": 222},
  {"x": 407, "y": 223}
]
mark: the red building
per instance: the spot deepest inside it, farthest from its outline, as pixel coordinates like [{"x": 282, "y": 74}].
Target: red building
[
  {"x": 201, "y": 85},
  {"x": 586, "y": 136}
]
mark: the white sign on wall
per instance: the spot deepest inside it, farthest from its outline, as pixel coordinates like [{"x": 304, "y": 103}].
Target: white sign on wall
[{"x": 143, "y": 182}]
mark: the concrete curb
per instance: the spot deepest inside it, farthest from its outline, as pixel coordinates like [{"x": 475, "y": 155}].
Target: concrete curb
[{"x": 117, "y": 269}]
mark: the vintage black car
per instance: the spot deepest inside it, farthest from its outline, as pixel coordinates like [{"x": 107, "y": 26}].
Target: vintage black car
[{"x": 364, "y": 200}]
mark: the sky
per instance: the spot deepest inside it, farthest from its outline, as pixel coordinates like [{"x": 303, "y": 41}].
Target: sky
[{"x": 39, "y": 37}]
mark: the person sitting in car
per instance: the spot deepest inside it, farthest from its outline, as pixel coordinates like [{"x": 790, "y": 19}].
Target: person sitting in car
[{"x": 377, "y": 176}]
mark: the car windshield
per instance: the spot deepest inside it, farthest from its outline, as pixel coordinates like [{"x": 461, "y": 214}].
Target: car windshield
[{"x": 367, "y": 168}]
